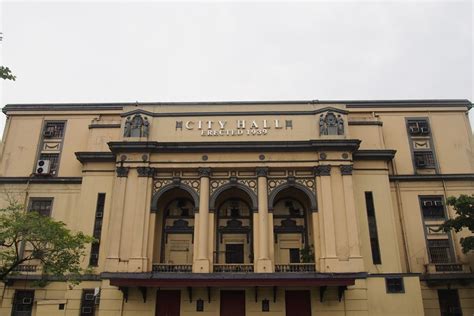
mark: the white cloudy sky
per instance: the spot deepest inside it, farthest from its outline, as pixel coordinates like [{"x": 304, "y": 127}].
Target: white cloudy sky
[{"x": 157, "y": 51}]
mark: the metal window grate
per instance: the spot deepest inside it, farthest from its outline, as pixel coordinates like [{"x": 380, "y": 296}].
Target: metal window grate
[
  {"x": 23, "y": 302},
  {"x": 439, "y": 250},
  {"x": 424, "y": 159},
  {"x": 87, "y": 302},
  {"x": 433, "y": 208},
  {"x": 418, "y": 127},
  {"x": 42, "y": 206},
  {"x": 53, "y": 130},
  {"x": 394, "y": 285}
]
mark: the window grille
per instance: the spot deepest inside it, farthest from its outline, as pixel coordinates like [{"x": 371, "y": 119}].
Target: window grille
[
  {"x": 394, "y": 285},
  {"x": 374, "y": 238},
  {"x": 418, "y": 127},
  {"x": 87, "y": 302},
  {"x": 439, "y": 250},
  {"x": 433, "y": 208},
  {"x": 53, "y": 130},
  {"x": 41, "y": 205},
  {"x": 424, "y": 159}
]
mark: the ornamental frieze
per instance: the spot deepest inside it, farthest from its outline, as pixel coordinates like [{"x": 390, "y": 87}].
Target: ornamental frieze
[{"x": 308, "y": 182}]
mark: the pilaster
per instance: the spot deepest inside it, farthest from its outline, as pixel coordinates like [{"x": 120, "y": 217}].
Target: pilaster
[
  {"x": 202, "y": 263},
  {"x": 264, "y": 264}
]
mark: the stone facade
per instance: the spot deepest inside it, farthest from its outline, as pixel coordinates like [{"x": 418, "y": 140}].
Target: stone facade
[{"x": 257, "y": 206}]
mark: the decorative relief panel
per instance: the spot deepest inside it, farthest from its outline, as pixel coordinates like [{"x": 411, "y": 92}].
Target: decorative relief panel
[
  {"x": 216, "y": 184},
  {"x": 158, "y": 184},
  {"x": 274, "y": 183},
  {"x": 307, "y": 182},
  {"x": 193, "y": 183},
  {"x": 250, "y": 183}
]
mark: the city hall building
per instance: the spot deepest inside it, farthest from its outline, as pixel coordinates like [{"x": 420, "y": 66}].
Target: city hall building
[{"x": 246, "y": 208}]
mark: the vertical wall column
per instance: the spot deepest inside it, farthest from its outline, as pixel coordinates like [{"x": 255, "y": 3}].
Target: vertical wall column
[
  {"x": 116, "y": 220},
  {"x": 352, "y": 225},
  {"x": 264, "y": 264},
  {"x": 202, "y": 263},
  {"x": 327, "y": 217},
  {"x": 138, "y": 259}
]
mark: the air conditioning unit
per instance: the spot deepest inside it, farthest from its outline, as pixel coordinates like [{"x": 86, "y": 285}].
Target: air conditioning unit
[
  {"x": 48, "y": 133},
  {"x": 414, "y": 130},
  {"x": 428, "y": 203},
  {"x": 89, "y": 297},
  {"x": 438, "y": 203},
  {"x": 27, "y": 300},
  {"x": 43, "y": 167},
  {"x": 425, "y": 130}
]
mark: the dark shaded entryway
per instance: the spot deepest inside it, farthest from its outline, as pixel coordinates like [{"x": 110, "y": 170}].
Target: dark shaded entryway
[
  {"x": 298, "y": 303},
  {"x": 168, "y": 303},
  {"x": 232, "y": 303}
]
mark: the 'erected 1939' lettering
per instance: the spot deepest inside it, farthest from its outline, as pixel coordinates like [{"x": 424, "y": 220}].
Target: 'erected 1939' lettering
[{"x": 233, "y": 128}]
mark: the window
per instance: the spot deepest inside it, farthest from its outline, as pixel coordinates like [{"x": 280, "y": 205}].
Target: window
[
  {"x": 424, "y": 159},
  {"x": 439, "y": 250},
  {"x": 419, "y": 127},
  {"x": 53, "y": 130},
  {"x": 87, "y": 302},
  {"x": 99, "y": 214},
  {"x": 41, "y": 205},
  {"x": 23, "y": 303},
  {"x": 374, "y": 238},
  {"x": 449, "y": 303},
  {"x": 432, "y": 208},
  {"x": 234, "y": 253},
  {"x": 294, "y": 255},
  {"x": 394, "y": 285}
]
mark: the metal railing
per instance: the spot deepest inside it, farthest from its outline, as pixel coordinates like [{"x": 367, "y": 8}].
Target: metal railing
[
  {"x": 295, "y": 267},
  {"x": 168, "y": 267},
  {"x": 26, "y": 268},
  {"x": 233, "y": 267},
  {"x": 448, "y": 267}
]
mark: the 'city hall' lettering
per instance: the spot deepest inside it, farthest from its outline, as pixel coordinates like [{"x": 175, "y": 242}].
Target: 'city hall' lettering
[{"x": 233, "y": 128}]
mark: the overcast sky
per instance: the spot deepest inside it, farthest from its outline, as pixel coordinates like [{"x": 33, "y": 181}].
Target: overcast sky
[{"x": 157, "y": 51}]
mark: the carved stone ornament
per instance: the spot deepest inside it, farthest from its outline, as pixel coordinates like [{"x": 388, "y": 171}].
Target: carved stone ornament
[
  {"x": 262, "y": 172},
  {"x": 323, "y": 170},
  {"x": 145, "y": 171},
  {"x": 330, "y": 124},
  {"x": 122, "y": 171},
  {"x": 204, "y": 172},
  {"x": 136, "y": 126},
  {"x": 346, "y": 169}
]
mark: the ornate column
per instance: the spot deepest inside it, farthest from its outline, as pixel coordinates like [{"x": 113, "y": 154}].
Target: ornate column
[
  {"x": 116, "y": 219},
  {"x": 351, "y": 215},
  {"x": 264, "y": 263},
  {"x": 326, "y": 219},
  {"x": 138, "y": 258},
  {"x": 202, "y": 263}
]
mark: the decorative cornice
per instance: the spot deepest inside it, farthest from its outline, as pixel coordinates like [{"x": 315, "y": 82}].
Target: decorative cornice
[
  {"x": 41, "y": 180},
  {"x": 323, "y": 170},
  {"x": 262, "y": 171},
  {"x": 122, "y": 171},
  {"x": 346, "y": 169},
  {"x": 204, "y": 172},
  {"x": 348, "y": 145},
  {"x": 145, "y": 171},
  {"x": 374, "y": 154},
  {"x": 433, "y": 177},
  {"x": 349, "y": 104},
  {"x": 95, "y": 156}
]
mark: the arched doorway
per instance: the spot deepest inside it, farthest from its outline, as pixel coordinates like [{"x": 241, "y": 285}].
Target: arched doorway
[
  {"x": 233, "y": 226},
  {"x": 174, "y": 230},
  {"x": 293, "y": 231}
]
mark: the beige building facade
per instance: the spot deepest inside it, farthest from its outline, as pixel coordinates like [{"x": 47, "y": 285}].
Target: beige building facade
[{"x": 246, "y": 208}]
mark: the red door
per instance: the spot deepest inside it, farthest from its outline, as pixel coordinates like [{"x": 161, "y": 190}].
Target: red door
[
  {"x": 298, "y": 303},
  {"x": 232, "y": 303},
  {"x": 168, "y": 303}
]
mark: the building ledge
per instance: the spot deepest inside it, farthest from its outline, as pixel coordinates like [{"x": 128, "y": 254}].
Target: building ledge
[
  {"x": 95, "y": 156},
  {"x": 41, "y": 180},
  {"x": 230, "y": 279},
  {"x": 255, "y": 146},
  {"x": 374, "y": 154},
  {"x": 433, "y": 177}
]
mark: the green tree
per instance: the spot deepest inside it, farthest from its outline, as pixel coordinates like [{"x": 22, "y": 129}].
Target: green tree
[
  {"x": 49, "y": 242},
  {"x": 6, "y": 74},
  {"x": 464, "y": 207}
]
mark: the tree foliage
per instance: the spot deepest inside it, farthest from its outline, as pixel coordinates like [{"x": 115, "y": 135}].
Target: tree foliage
[
  {"x": 46, "y": 241},
  {"x": 464, "y": 207},
  {"x": 6, "y": 73}
]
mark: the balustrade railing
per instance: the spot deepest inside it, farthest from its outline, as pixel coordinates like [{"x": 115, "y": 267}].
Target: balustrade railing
[
  {"x": 448, "y": 267},
  {"x": 26, "y": 268},
  {"x": 295, "y": 267},
  {"x": 233, "y": 267},
  {"x": 168, "y": 267}
]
